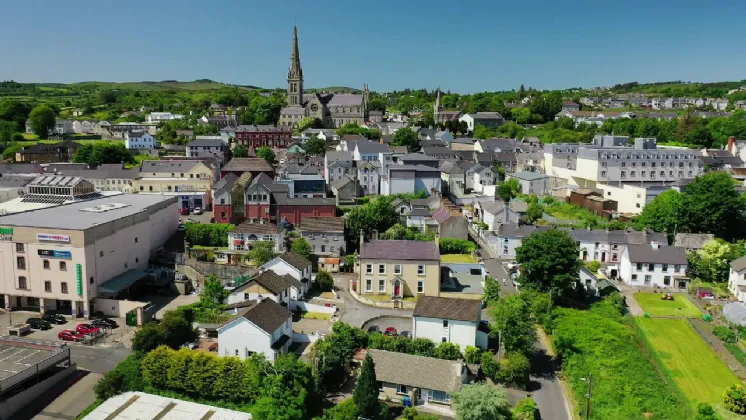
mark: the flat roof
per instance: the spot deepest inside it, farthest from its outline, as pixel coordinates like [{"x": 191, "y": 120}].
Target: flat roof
[
  {"x": 74, "y": 217},
  {"x": 142, "y": 406},
  {"x": 19, "y": 358}
]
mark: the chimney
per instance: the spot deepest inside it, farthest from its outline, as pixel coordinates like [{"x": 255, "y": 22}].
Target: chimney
[
  {"x": 731, "y": 144},
  {"x": 654, "y": 244},
  {"x": 375, "y": 234},
  {"x": 437, "y": 240}
]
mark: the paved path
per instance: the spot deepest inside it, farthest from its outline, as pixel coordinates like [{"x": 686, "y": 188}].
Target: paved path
[
  {"x": 545, "y": 387},
  {"x": 72, "y": 401},
  {"x": 633, "y": 307},
  {"x": 355, "y": 312}
]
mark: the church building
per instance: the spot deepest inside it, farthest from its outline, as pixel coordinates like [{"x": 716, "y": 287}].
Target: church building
[{"x": 333, "y": 110}]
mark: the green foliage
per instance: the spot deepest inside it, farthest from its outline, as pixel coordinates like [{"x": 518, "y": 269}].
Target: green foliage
[
  {"x": 526, "y": 409},
  {"x": 266, "y": 153},
  {"x": 346, "y": 410},
  {"x": 549, "y": 261},
  {"x": 324, "y": 281},
  {"x": 712, "y": 262},
  {"x": 148, "y": 337},
  {"x": 534, "y": 212},
  {"x": 735, "y": 399},
  {"x": 42, "y": 120},
  {"x": 593, "y": 265},
  {"x": 481, "y": 401},
  {"x": 15, "y": 112},
  {"x": 456, "y": 246},
  {"x": 509, "y": 189},
  {"x": 726, "y": 334},
  {"x": 109, "y": 385},
  {"x": 315, "y": 147},
  {"x": 213, "y": 294},
  {"x": 490, "y": 366},
  {"x": 737, "y": 352},
  {"x": 125, "y": 377},
  {"x": 7, "y": 129},
  {"x": 539, "y": 305},
  {"x": 401, "y": 232},
  {"x": 514, "y": 370},
  {"x": 513, "y": 319},
  {"x": 473, "y": 355},
  {"x": 332, "y": 354},
  {"x": 103, "y": 152},
  {"x": 366, "y": 390},
  {"x": 491, "y": 290},
  {"x": 261, "y": 252},
  {"x": 601, "y": 341},
  {"x": 10, "y": 152},
  {"x": 240, "y": 151},
  {"x": 448, "y": 351},
  {"x": 309, "y": 122},
  {"x": 174, "y": 330},
  {"x": 354, "y": 128},
  {"x": 406, "y": 137},
  {"x": 208, "y": 234},
  {"x": 302, "y": 247},
  {"x": 378, "y": 215}
]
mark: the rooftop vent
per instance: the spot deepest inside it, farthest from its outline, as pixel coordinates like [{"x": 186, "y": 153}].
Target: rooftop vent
[{"x": 105, "y": 207}]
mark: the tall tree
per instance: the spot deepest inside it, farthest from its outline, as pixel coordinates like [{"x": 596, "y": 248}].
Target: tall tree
[
  {"x": 213, "y": 293},
  {"x": 366, "y": 390},
  {"x": 515, "y": 323},
  {"x": 266, "y": 153},
  {"x": 15, "y": 112},
  {"x": 480, "y": 402},
  {"x": 549, "y": 261},
  {"x": 7, "y": 128},
  {"x": 712, "y": 262},
  {"x": 378, "y": 215},
  {"x": 491, "y": 290},
  {"x": 42, "y": 120},
  {"x": 240, "y": 151},
  {"x": 406, "y": 137},
  {"x": 712, "y": 204},
  {"x": 315, "y": 147},
  {"x": 302, "y": 247},
  {"x": 509, "y": 189},
  {"x": 261, "y": 252},
  {"x": 662, "y": 214}
]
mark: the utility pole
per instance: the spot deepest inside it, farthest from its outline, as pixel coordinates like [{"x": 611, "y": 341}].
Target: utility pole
[{"x": 588, "y": 398}]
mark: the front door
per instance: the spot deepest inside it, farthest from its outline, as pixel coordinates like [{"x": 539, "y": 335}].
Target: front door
[{"x": 397, "y": 288}]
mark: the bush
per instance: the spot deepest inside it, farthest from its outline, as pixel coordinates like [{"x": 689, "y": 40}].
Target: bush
[
  {"x": 472, "y": 355},
  {"x": 514, "y": 369},
  {"x": 490, "y": 367},
  {"x": 725, "y": 334},
  {"x": 735, "y": 399},
  {"x": 109, "y": 385},
  {"x": 207, "y": 234},
  {"x": 324, "y": 281},
  {"x": 593, "y": 266},
  {"x": 456, "y": 246},
  {"x": 526, "y": 410}
]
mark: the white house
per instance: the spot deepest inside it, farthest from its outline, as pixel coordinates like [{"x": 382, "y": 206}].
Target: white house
[
  {"x": 368, "y": 176},
  {"x": 242, "y": 238},
  {"x": 206, "y": 146},
  {"x": 410, "y": 179},
  {"x": 482, "y": 177},
  {"x": 281, "y": 288},
  {"x": 531, "y": 182},
  {"x": 487, "y": 119},
  {"x": 654, "y": 265},
  {"x": 227, "y": 132},
  {"x": 510, "y": 237},
  {"x": 418, "y": 218},
  {"x": 607, "y": 246},
  {"x": 369, "y": 150},
  {"x": 294, "y": 265},
  {"x": 449, "y": 320},
  {"x": 495, "y": 213},
  {"x": 260, "y": 327},
  {"x": 139, "y": 139},
  {"x": 737, "y": 279},
  {"x": 84, "y": 127},
  {"x": 63, "y": 127},
  {"x": 162, "y": 116}
]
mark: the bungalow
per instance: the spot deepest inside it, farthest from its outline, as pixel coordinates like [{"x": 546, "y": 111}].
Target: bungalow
[
  {"x": 737, "y": 279},
  {"x": 449, "y": 320},
  {"x": 281, "y": 288},
  {"x": 261, "y": 326},
  {"x": 293, "y": 265},
  {"x": 242, "y": 238},
  {"x": 654, "y": 266}
]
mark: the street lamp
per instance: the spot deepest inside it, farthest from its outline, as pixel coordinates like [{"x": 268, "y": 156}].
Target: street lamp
[{"x": 588, "y": 396}]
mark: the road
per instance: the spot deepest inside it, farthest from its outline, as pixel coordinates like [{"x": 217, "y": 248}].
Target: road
[{"x": 356, "y": 313}]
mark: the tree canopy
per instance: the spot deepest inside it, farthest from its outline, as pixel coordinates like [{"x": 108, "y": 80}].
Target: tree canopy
[
  {"x": 406, "y": 137},
  {"x": 100, "y": 153},
  {"x": 513, "y": 319},
  {"x": 266, "y": 153},
  {"x": 315, "y": 147},
  {"x": 42, "y": 120},
  {"x": 481, "y": 401},
  {"x": 508, "y": 190},
  {"x": 548, "y": 261},
  {"x": 261, "y": 252},
  {"x": 379, "y": 214},
  {"x": 240, "y": 151},
  {"x": 366, "y": 390},
  {"x": 302, "y": 247}
]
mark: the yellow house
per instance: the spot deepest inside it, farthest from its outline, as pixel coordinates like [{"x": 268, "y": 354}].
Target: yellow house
[
  {"x": 191, "y": 180},
  {"x": 399, "y": 269}
]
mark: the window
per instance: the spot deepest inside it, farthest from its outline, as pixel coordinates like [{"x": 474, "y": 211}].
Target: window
[
  {"x": 420, "y": 286},
  {"x": 665, "y": 268},
  {"x": 439, "y": 397},
  {"x": 634, "y": 278},
  {"x": 401, "y": 389},
  {"x": 443, "y": 339},
  {"x": 381, "y": 268},
  {"x": 21, "y": 263},
  {"x": 639, "y": 266},
  {"x": 603, "y": 173},
  {"x": 420, "y": 270},
  {"x": 643, "y": 173},
  {"x": 647, "y": 279},
  {"x": 136, "y": 240},
  {"x": 19, "y": 248},
  {"x": 323, "y": 248},
  {"x": 47, "y": 286},
  {"x": 381, "y": 285},
  {"x": 90, "y": 281},
  {"x": 63, "y": 287},
  {"x": 666, "y": 280},
  {"x": 633, "y": 173},
  {"x": 331, "y": 249},
  {"x": 676, "y": 268},
  {"x": 46, "y": 264},
  {"x": 101, "y": 253},
  {"x": 397, "y": 268},
  {"x": 22, "y": 283},
  {"x": 445, "y": 323},
  {"x": 369, "y": 268},
  {"x": 651, "y": 267}
]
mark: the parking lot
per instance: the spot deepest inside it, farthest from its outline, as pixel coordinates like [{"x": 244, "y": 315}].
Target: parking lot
[
  {"x": 108, "y": 335},
  {"x": 401, "y": 324}
]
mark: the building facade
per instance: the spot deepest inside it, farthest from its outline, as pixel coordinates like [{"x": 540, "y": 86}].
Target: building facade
[
  {"x": 257, "y": 136},
  {"x": 399, "y": 269}
]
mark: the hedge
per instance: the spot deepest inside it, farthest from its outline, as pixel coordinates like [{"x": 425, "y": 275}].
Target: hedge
[
  {"x": 456, "y": 246},
  {"x": 208, "y": 234}
]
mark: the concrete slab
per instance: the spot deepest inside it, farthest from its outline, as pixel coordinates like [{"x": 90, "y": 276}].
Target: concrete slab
[{"x": 72, "y": 401}]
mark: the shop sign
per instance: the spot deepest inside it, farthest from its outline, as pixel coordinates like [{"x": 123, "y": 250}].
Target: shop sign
[
  {"x": 55, "y": 254},
  {"x": 6, "y": 234},
  {"x": 52, "y": 237}
]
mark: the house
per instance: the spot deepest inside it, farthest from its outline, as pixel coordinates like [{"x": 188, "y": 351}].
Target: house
[
  {"x": 262, "y": 327},
  {"x": 607, "y": 246},
  {"x": 417, "y": 218},
  {"x": 410, "y": 179},
  {"x": 495, "y": 213},
  {"x": 368, "y": 176},
  {"x": 451, "y": 225},
  {"x": 368, "y": 150},
  {"x": 510, "y": 237},
  {"x": 258, "y": 198},
  {"x": 281, "y": 288},
  {"x": 190, "y": 180},
  {"x": 533, "y": 183},
  {"x": 399, "y": 268},
  {"x": 84, "y": 127},
  {"x": 62, "y": 127},
  {"x": 337, "y": 164},
  {"x": 255, "y": 166},
  {"x": 737, "y": 278},
  {"x": 417, "y": 159},
  {"x": 653, "y": 265},
  {"x": 325, "y": 234},
  {"x": 449, "y": 320},
  {"x": 595, "y": 284},
  {"x": 207, "y": 147},
  {"x": 157, "y": 117},
  {"x": 693, "y": 241},
  {"x": 293, "y": 265},
  {"x": 439, "y": 153},
  {"x": 426, "y": 381},
  {"x": 293, "y": 210},
  {"x": 222, "y": 199},
  {"x": 345, "y": 190},
  {"x": 138, "y": 139},
  {"x": 402, "y": 207},
  {"x": 242, "y": 238},
  {"x": 570, "y": 106},
  {"x": 48, "y": 153},
  {"x": 490, "y": 120},
  {"x": 256, "y": 136}
]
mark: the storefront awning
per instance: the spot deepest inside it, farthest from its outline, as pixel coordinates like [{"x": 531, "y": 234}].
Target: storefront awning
[{"x": 121, "y": 282}]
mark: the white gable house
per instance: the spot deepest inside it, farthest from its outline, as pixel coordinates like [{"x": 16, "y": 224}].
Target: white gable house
[
  {"x": 263, "y": 327},
  {"x": 448, "y": 320}
]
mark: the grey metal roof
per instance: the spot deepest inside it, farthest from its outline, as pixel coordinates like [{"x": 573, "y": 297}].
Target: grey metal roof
[
  {"x": 285, "y": 200},
  {"x": 660, "y": 255},
  {"x": 401, "y": 250},
  {"x": 369, "y": 147},
  {"x": 739, "y": 264},
  {"x": 528, "y": 176},
  {"x": 417, "y": 371}
]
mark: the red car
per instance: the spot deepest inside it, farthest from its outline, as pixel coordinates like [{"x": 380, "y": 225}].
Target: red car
[
  {"x": 390, "y": 331},
  {"x": 184, "y": 211},
  {"x": 87, "y": 329},
  {"x": 70, "y": 335}
]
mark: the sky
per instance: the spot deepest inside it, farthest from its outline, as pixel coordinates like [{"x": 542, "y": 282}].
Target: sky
[{"x": 463, "y": 46}]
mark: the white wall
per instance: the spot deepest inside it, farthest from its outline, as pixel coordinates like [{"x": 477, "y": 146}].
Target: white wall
[
  {"x": 281, "y": 267},
  {"x": 737, "y": 279},
  {"x": 242, "y": 336},
  {"x": 461, "y": 333},
  {"x": 634, "y": 277}
]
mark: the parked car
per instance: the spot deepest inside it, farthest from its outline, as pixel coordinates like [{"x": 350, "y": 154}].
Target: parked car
[
  {"x": 184, "y": 211},
  {"x": 54, "y": 318},
  {"x": 197, "y": 210},
  {"x": 38, "y": 324},
  {"x": 390, "y": 331},
  {"x": 87, "y": 329},
  {"x": 70, "y": 335},
  {"x": 182, "y": 228},
  {"x": 406, "y": 334},
  {"x": 104, "y": 323},
  {"x": 512, "y": 265},
  {"x": 374, "y": 329}
]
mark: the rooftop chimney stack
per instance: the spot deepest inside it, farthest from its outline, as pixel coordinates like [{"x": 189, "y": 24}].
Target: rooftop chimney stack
[
  {"x": 732, "y": 144},
  {"x": 654, "y": 244}
]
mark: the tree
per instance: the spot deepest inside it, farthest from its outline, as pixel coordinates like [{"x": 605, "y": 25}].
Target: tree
[
  {"x": 366, "y": 390},
  {"x": 309, "y": 122},
  {"x": 315, "y": 147},
  {"x": 42, "y": 120},
  {"x": 240, "y": 151},
  {"x": 509, "y": 189},
  {"x": 448, "y": 351},
  {"x": 378, "y": 215},
  {"x": 7, "y": 129},
  {"x": 473, "y": 355},
  {"x": 261, "y": 252},
  {"x": 10, "y": 152},
  {"x": 147, "y": 338},
  {"x": 491, "y": 290},
  {"x": 266, "y": 153},
  {"x": 324, "y": 281},
  {"x": 735, "y": 399},
  {"x": 177, "y": 328},
  {"x": 15, "y": 112},
  {"x": 712, "y": 204},
  {"x": 549, "y": 261},
  {"x": 534, "y": 212},
  {"x": 213, "y": 293},
  {"x": 513, "y": 319},
  {"x": 101, "y": 153},
  {"x": 662, "y": 214},
  {"x": 481, "y": 401},
  {"x": 109, "y": 385},
  {"x": 526, "y": 409},
  {"x": 514, "y": 369},
  {"x": 712, "y": 262},
  {"x": 302, "y": 247},
  {"x": 406, "y": 137}
]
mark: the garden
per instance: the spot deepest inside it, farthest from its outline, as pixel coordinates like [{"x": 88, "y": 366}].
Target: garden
[{"x": 654, "y": 305}]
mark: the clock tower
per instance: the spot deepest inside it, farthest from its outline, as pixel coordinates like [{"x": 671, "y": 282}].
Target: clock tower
[{"x": 295, "y": 75}]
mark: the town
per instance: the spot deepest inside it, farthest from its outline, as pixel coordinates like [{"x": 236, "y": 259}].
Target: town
[{"x": 232, "y": 252}]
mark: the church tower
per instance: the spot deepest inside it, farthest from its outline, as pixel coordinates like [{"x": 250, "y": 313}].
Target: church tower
[
  {"x": 295, "y": 75},
  {"x": 437, "y": 106}
]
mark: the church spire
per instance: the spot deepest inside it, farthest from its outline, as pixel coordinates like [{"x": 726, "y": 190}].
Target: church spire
[{"x": 295, "y": 75}]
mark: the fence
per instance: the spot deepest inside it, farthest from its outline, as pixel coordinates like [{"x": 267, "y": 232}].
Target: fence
[{"x": 311, "y": 307}]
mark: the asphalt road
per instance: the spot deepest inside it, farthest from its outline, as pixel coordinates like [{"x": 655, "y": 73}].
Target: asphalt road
[{"x": 356, "y": 313}]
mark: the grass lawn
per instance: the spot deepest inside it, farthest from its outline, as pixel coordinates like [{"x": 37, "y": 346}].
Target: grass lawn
[
  {"x": 695, "y": 369},
  {"x": 316, "y": 315},
  {"x": 456, "y": 258},
  {"x": 212, "y": 248},
  {"x": 655, "y": 306}
]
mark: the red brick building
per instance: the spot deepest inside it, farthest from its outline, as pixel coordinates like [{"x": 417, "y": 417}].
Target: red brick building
[
  {"x": 257, "y": 136},
  {"x": 294, "y": 209},
  {"x": 260, "y": 198}
]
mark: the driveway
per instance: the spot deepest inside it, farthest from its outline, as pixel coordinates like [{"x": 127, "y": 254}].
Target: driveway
[
  {"x": 356, "y": 313},
  {"x": 497, "y": 268},
  {"x": 401, "y": 324}
]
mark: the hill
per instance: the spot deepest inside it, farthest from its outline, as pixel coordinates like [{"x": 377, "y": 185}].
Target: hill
[
  {"x": 202, "y": 84},
  {"x": 679, "y": 88}
]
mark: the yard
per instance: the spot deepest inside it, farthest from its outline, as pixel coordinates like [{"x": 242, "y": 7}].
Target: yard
[
  {"x": 681, "y": 306},
  {"x": 686, "y": 359},
  {"x": 456, "y": 258}
]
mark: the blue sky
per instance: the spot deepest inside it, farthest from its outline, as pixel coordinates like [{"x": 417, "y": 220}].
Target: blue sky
[{"x": 465, "y": 46}]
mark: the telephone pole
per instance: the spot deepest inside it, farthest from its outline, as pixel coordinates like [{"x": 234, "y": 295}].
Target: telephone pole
[{"x": 588, "y": 398}]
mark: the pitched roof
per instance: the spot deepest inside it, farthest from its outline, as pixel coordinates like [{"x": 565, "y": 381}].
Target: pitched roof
[
  {"x": 661, "y": 255},
  {"x": 398, "y": 149},
  {"x": 248, "y": 165},
  {"x": 369, "y": 147},
  {"x": 487, "y": 116},
  {"x": 417, "y": 371},
  {"x": 322, "y": 224},
  {"x": 417, "y": 157},
  {"x": 270, "y": 280},
  {"x": 511, "y": 230},
  {"x": 448, "y": 308},
  {"x": 226, "y": 183},
  {"x": 528, "y": 176},
  {"x": 739, "y": 263},
  {"x": 285, "y": 200},
  {"x": 354, "y": 137},
  {"x": 441, "y": 214},
  {"x": 257, "y": 228},
  {"x": 206, "y": 142},
  {"x": 693, "y": 240},
  {"x": 342, "y": 182},
  {"x": 338, "y": 155},
  {"x": 420, "y": 211},
  {"x": 267, "y": 315},
  {"x": 296, "y": 260},
  {"x": 401, "y": 250},
  {"x": 492, "y": 207},
  {"x": 168, "y": 165}
]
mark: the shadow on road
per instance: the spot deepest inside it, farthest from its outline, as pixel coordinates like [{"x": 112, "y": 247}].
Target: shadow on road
[{"x": 46, "y": 398}]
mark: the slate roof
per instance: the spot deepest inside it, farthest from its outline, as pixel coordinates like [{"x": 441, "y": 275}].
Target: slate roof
[
  {"x": 660, "y": 255},
  {"x": 464, "y": 140},
  {"x": 400, "y": 250},
  {"x": 417, "y": 157},
  {"x": 322, "y": 224},
  {"x": 296, "y": 260},
  {"x": 417, "y": 371},
  {"x": 206, "y": 142},
  {"x": 432, "y": 143},
  {"x": 492, "y": 207},
  {"x": 270, "y": 280},
  {"x": 354, "y": 137},
  {"x": 292, "y": 110},
  {"x": 693, "y": 240},
  {"x": 487, "y": 116},
  {"x": 257, "y": 228},
  {"x": 441, "y": 214},
  {"x": 287, "y": 201},
  {"x": 345, "y": 99},
  {"x": 341, "y": 155},
  {"x": 248, "y": 165},
  {"x": 439, "y": 151},
  {"x": 342, "y": 182},
  {"x": 168, "y": 165},
  {"x": 397, "y": 149},
  {"x": 369, "y": 147},
  {"x": 268, "y": 315},
  {"x": 420, "y": 211},
  {"x": 514, "y": 231},
  {"x": 448, "y": 308},
  {"x": 739, "y": 264},
  {"x": 225, "y": 184},
  {"x": 527, "y": 176}
]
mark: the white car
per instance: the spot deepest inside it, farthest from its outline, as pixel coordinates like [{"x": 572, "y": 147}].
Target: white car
[
  {"x": 197, "y": 210},
  {"x": 512, "y": 265}
]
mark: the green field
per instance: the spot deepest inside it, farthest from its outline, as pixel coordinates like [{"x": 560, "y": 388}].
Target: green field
[
  {"x": 652, "y": 304},
  {"x": 456, "y": 258},
  {"x": 695, "y": 369}
]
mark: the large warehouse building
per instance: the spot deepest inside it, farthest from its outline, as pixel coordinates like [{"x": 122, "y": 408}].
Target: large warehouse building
[{"x": 63, "y": 257}]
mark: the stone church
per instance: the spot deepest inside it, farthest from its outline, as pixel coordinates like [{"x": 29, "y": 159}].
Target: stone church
[{"x": 332, "y": 109}]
